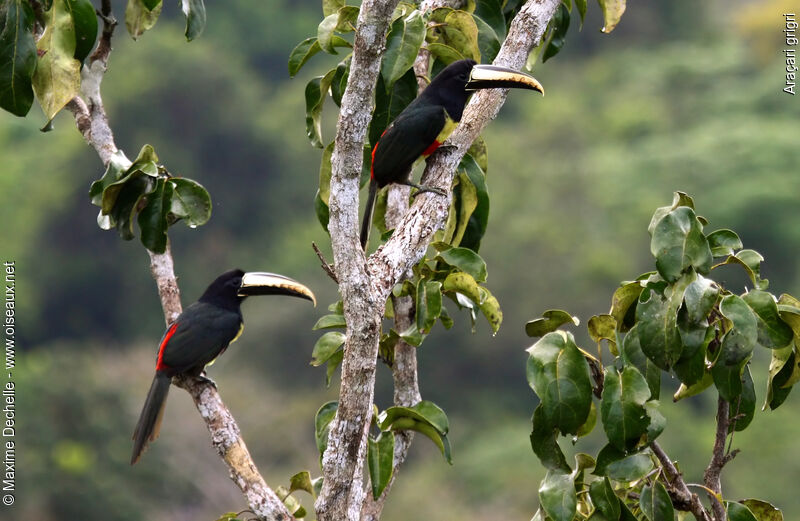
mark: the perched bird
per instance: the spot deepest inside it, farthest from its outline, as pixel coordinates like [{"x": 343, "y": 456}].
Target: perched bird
[
  {"x": 200, "y": 334},
  {"x": 428, "y": 120}
]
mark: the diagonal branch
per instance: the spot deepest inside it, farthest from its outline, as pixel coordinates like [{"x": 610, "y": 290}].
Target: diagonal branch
[
  {"x": 677, "y": 486},
  {"x": 92, "y": 122}
]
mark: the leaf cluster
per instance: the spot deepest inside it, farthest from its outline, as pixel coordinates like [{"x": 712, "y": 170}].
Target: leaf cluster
[
  {"x": 147, "y": 193},
  {"x": 676, "y": 319}
]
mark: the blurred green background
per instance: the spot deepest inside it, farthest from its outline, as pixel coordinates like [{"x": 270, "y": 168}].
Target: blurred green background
[{"x": 683, "y": 95}]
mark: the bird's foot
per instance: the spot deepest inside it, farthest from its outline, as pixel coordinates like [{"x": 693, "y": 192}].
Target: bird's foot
[
  {"x": 421, "y": 189},
  {"x": 203, "y": 378}
]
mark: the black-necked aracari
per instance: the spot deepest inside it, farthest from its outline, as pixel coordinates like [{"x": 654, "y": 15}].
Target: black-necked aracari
[
  {"x": 428, "y": 120},
  {"x": 200, "y": 334}
]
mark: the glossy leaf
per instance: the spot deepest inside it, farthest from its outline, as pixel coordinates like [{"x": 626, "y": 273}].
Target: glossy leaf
[
  {"x": 685, "y": 391},
  {"x": 656, "y": 504},
  {"x": 724, "y": 243},
  {"x": 424, "y": 411},
  {"x": 316, "y": 91},
  {"x": 456, "y": 29},
  {"x": 116, "y": 168},
  {"x": 700, "y": 296},
  {"x": 630, "y": 468},
  {"x": 738, "y": 343},
  {"x": 607, "y": 455},
  {"x": 488, "y": 41},
  {"x": 558, "y": 374},
  {"x": 657, "y": 316},
  {"x": 141, "y": 17},
  {"x": 789, "y": 311},
  {"x": 773, "y": 332},
  {"x": 84, "y": 19},
  {"x": 604, "y": 498},
  {"x": 322, "y": 423},
  {"x": 302, "y": 53},
  {"x": 751, "y": 261},
  {"x": 744, "y": 408},
  {"x": 738, "y": 512},
  {"x": 325, "y": 173},
  {"x": 603, "y": 327},
  {"x": 559, "y": 25},
  {"x": 322, "y": 211},
  {"x": 153, "y": 221},
  {"x": 425, "y": 428},
  {"x": 581, "y": 5},
  {"x": 330, "y": 322},
  {"x": 339, "y": 83},
  {"x": 57, "y": 77},
  {"x": 691, "y": 365},
  {"x": 428, "y": 304},
  {"x": 678, "y": 243},
  {"x": 728, "y": 380},
  {"x": 333, "y": 362},
  {"x": 17, "y": 56},
  {"x": 402, "y": 45},
  {"x": 781, "y": 367},
  {"x": 491, "y": 12},
  {"x": 624, "y": 299},
  {"x": 302, "y": 481},
  {"x": 445, "y": 53},
  {"x": 551, "y": 320},
  {"x": 465, "y": 260},
  {"x": 326, "y": 346},
  {"x": 380, "y": 459},
  {"x": 544, "y": 444},
  {"x": 612, "y": 12},
  {"x": 557, "y": 496},
  {"x": 763, "y": 510},
  {"x": 632, "y": 354},
  {"x": 622, "y": 409},
  {"x": 190, "y": 202},
  {"x": 470, "y": 169},
  {"x": 325, "y": 32},
  {"x": 195, "y": 12}
]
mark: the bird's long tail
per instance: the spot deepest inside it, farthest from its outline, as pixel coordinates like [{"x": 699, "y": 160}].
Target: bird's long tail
[
  {"x": 149, "y": 424},
  {"x": 367, "y": 221}
]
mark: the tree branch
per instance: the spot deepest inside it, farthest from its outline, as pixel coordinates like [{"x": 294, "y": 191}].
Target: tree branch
[
  {"x": 92, "y": 122},
  {"x": 677, "y": 486},
  {"x": 713, "y": 472},
  {"x": 365, "y": 286}
]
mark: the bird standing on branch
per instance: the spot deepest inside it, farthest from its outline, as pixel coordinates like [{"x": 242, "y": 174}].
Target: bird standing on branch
[
  {"x": 200, "y": 334},
  {"x": 428, "y": 120}
]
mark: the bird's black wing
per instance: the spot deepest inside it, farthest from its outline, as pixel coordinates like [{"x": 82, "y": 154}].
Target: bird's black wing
[
  {"x": 404, "y": 141},
  {"x": 201, "y": 333}
]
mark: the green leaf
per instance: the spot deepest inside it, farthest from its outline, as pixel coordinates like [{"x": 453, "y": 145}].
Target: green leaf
[
  {"x": 781, "y": 367},
  {"x": 789, "y": 311},
  {"x": 84, "y": 20},
  {"x": 117, "y": 166},
  {"x": 773, "y": 332},
  {"x": 326, "y": 346},
  {"x": 745, "y": 407},
  {"x": 190, "y": 202},
  {"x": 195, "y": 12},
  {"x": 228, "y": 516},
  {"x": 622, "y": 409},
  {"x": 685, "y": 391},
  {"x": 333, "y": 362},
  {"x": 738, "y": 512},
  {"x": 604, "y": 498},
  {"x": 348, "y": 18},
  {"x": 402, "y": 46},
  {"x": 322, "y": 211},
  {"x": 700, "y": 296},
  {"x": 656, "y": 504},
  {"x": 624, "y": 297},
  {"x": 316, "y": 91},
  {"x": 603, "y": 327},
  {"x": 559, "y": 25},
  {"x": 302, "y": 53},
  {"x": 724, "y": 242},
  {"x": 728, "y": 380},
  {"x": 302, "y": 481},
  {"x": 380, "y": 459},
  {"x": 612, "y": 12},
  {"x": 132, "y": 191},
  {"x": 470, "y": 169},
  {"x": 331, "y": 6},
  {"x": 551, "y": 320},
  {"x": 339, "y": 83},
  {"x": 678, "y": 243},
  {"x": 557, "y": 496},
  {"x": 691, "y": 365},
  {"x": 751, "y": 261},
  {"x": 141, "y": 17},
  {"x": 329, "y": 322},
  {"x": 607, "y": 455},
  {"x": 322, "y": 423},
  {"x": 763, "y": 510},
  {"x": 456, "y": 29},
  {"x": 491, "y": 12},
  {"x": 589, "y": 424},
  {"x": 57, "y": 77},
  {"x": 488, "y": 41},
  {"x": 428, "y": 304},
  {"x": 738, "y": 342},
  {"x": 581, "y": 5},
  {"x": 153, "y": 222},
  {"x": 629, "y": 469},
  {"x": 17, "y": 56},
  {"x": 465, "y": 260},
  {"x": 444, "y": 53},
  {"x": 632, "y": 354},
  {"x": 558, "y": 374},
  {"x": 425, "y": 411},
  {"x": 425, "y": 428},
  {"x": 388, "y": 105},
  {"x": 657, "y": 316},
  {"x": 544, "y": 444}
]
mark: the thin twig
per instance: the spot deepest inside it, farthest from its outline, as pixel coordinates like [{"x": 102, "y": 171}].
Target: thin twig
[
  {"x": 713, "y": 472},
  {"x": 328, "y": 268}
]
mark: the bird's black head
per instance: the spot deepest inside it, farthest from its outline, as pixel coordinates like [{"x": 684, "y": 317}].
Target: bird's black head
[
  {"x": 453, "y": 86},
  {"x": 224, "y": 291},
  {"x": 232, "y": 287}
]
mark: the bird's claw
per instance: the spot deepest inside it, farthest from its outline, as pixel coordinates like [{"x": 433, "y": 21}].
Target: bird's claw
[{"x": 203, "y": 378}]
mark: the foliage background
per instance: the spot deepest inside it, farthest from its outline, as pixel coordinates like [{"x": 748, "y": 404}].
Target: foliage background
[{"x": 682, "y": 96}]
